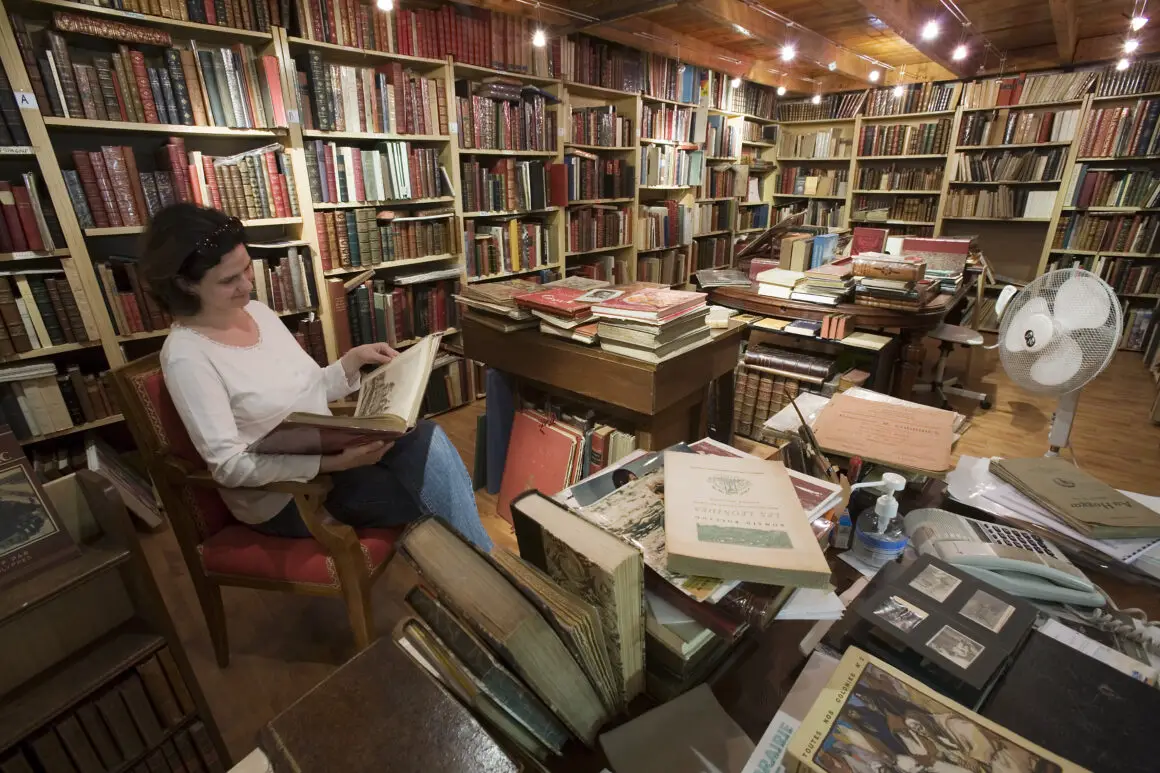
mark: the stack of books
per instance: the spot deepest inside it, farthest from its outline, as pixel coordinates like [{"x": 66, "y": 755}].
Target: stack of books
[
  {"x": 829, "y": 284},
  {"x": 493, "y": 304},
  {"x": 891, "y": 283},
  {"x": 652, "y": 323},
  {"x": 779, "y": 282},
  {"x": 37, "y": 400},
  {"x": 388, "y": 99},
  {"x": 564, "y": 312}
]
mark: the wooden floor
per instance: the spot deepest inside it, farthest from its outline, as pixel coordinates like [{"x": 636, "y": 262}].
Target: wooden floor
[{"x": 283, "y": 645}]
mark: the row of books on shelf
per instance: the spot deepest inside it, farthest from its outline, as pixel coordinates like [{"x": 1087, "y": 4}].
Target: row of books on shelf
[
  {"x": 759, "y": 395},
  {"x": 811, "y": 181},
  {"x": 255, "y": 15},
  {"x": 44, "y": 307},
  {"x": 1137, "y": 323},
  {"x": 921, "y": 208},
  {"x": 1130, "y": 130},
  {"x": 666, "y": 165},
  {"x": 592, "y": 177},
  {"x": 144, "y": 716},
  {"x": 722, "y": 137},
  {"x": 830, "y": 107},
  {"x": 915, "y": 98},
  {"x": 499, "y": 114},
  {"x": 710, "y": 251},
  {"x": 667, "y": 78},
  {"x": 596, "y": 62},
  {"x": 1011, "y": 165},
  {"x": 131, "y": 307},
  {"x": 391, "y": 171},
  {"x": 505, "y": 184},
  {"x": 27, "y": 223},
  {"x": 596, "y": 226},
  {"x": 753, "y": 217},
  {"x": 669, "y": 267},
  {"x": 1114, "y": 233},
  {"x": 899, "y": 178},
  {"x": 195, "y": 85},
  {"x": 712, "y": 216},
  {"x": 1017, "y": 127},
  {"x": 112, "y": 188},
  {"x": 368, "y": 310},
  {"x": 1002, "y": 201},
  {"x": 12, "y": 129},
  {"x": 308, "y": 333},
  {"x": 818, "y": 213},
  {"x": 1141, "y": 77},
  {"x": 601, "y": 125},
  {"x": 725, "y": 180},
  {"x": 667, "y": 122},
  {"x": 665, "y": 224},
  {"x": 612, "y": 268},
  {"x": 364, "y": 237},
  {"x": 836, "y": 142},
  {"x": 512, "y": 244},
  {"x": 37, "y": 400},
  {"x": 386, "y": 98},
  {"x": 748, "y": 98},
  {"x": 928, "y": 137},
  {"x": 751, "y": 131},
  {"x": 454, "y": 381},
  {"x": 1026, "y": 89},
  {"x": 1126, "y": 276},
  {"x": 1092, "y": 186}
]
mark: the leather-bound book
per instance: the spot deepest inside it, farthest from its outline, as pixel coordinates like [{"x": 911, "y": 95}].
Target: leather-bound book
[{"x": 346, "y": 724}]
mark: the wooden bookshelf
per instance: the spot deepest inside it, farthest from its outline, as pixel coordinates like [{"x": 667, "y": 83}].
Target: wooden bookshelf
[{"x": 86, "y": 124}]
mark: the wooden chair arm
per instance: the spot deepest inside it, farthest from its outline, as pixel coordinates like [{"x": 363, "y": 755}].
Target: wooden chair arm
[{"x": 319, "y": 485}]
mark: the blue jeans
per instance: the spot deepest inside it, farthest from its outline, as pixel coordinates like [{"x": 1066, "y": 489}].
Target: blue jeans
[{"x": 422, "y": 474}]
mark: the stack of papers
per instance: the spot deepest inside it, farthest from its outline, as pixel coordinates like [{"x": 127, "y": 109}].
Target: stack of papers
[{"x": 812, "y": 604}]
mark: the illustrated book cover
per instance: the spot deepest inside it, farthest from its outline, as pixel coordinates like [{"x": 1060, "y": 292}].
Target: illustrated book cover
[
  {"x": 871, "y": 716},
  {"x": 389, "y": 402},
  {"x": 738, "y": 518},
  {"x": 649, "y": 303}
]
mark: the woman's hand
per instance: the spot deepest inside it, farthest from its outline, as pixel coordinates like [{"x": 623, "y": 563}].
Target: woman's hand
[
  {"x": 367, "y": 354},
  {"x": 355, "y": 456}
]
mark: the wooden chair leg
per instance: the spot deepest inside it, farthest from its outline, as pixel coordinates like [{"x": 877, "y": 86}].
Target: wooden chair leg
[
  {"x": 209, "y": 594},
  {"x": 358, "y": 609}
]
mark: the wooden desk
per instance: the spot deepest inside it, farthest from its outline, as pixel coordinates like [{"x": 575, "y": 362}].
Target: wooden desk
[
  {"x": 667, "y": 402},
  {"x": 911, "y": 326}
]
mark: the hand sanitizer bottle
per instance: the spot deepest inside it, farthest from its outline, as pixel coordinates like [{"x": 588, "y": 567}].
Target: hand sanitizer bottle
[{"x": 878, "y": 535}]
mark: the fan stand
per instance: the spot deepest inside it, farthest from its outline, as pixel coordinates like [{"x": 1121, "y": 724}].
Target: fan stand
[{"x": 1061, "y": 423}]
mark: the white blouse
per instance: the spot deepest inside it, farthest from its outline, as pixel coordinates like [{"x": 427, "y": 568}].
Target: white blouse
[{"x": 230, "y": 396}]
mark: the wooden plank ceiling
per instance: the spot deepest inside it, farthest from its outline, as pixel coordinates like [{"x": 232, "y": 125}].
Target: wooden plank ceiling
[{"x": 839, "y": 44}]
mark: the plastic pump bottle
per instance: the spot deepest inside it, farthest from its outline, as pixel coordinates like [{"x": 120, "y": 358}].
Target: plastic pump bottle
[{"x": 878, "y": 533}]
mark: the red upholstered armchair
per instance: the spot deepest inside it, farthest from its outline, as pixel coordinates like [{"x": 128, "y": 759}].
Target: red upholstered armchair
[{"x": 219, "y": 550}]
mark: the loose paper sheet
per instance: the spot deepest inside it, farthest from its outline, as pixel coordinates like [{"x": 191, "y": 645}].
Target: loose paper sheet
[{"x": 889, "y": 434}]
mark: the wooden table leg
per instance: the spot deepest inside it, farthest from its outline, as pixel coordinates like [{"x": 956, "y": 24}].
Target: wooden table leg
[
  {"x": 722, "y": 428},
  {"x": 675, "y": 424},
  {"x": 910, "y": 354}
]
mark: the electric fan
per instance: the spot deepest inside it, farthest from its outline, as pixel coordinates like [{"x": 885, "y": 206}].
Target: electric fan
[{"x": 1057, "y": 334}]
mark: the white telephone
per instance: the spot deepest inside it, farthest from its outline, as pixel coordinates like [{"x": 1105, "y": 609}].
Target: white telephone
[{"x": 1017, "y": 561}]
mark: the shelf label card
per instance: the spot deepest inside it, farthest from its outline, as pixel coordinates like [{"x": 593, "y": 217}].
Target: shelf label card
[
  {"x": 453, "y": 127},
  {"x": 292, "y": 116},
  {"x": 26, "y": 100}
]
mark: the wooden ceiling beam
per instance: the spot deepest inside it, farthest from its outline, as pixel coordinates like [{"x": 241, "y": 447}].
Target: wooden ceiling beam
[
  {"x": 907, "y": 18},
  {"x": 773, "y": 34},
  {"x": 1066, "y": 28},
  {"x": 616, "y": 10}
]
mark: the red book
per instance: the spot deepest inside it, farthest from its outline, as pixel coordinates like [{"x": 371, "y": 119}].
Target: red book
[
  {"x": 558, "y": 301},
  {"x": 323, "y": 244},
  {"x": 274, "y": 84},
  {"x": 331, "y": 179},
  {"x": 540, "y": 455},
  {"x": 278, "y": 196},
  {"x": 210, "y": 11},
  {"x": 135, "y": 182},
  {"x": 133, "y": 312},
  {"x": 137, "y": 59},
  {"x": 12, "y": 218},
  {"x": 84, "y": 169},
  {"x": 360, "y": 191},
  {"x": 655, "y": 304},
  {"x": 211, "y": 181},
  {"x": 869, "y": 240},
  {"x": 105, "y": 186},
  {"x": 557, "y": 185}
]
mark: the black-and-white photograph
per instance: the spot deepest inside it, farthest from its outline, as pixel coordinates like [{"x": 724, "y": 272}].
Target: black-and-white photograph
[
  {"x": 900, "y": 613},
  {"x": 987, "y": 611},
  {"x": 599, "y": 295},
  {"x": 936, "y": 583},
  {"x": 956, "y": 647}
]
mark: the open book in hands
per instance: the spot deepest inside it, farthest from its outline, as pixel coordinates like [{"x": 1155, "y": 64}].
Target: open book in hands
[{"x": 388, "y": 407}]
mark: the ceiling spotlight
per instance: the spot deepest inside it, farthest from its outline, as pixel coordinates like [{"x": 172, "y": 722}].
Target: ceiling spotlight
[
  {"x": 1130, "y": 46},
  {"x": 1123, "y": 64},
  {"x": 539, "y": 39},
  {"x": 816, "y": 99},
  {"x": 781, "y": 91},
  {"x": 735, "y": 83},
  {"x": 960, "y": 53},
  {"x": 788, "y": 52},
  {"x": 930, "y": 30},
  {"x": 898, "y": 90},
  {"x": 742, "y": 30},
  {"x": 1138, "y": 23},
  {"x": 874, "y": 75},
  {"x": 832, "y": 66},
  {"x": 386, "y": 5}
]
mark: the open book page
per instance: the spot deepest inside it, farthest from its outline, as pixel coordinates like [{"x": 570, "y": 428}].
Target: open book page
[{"x": 396, "y": 388}]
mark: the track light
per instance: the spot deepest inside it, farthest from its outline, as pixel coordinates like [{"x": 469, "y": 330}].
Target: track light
[
  {"x": 1137, "y": 23},
  {"x": 816, "y": 99},
  {"x": 874, "y": 75},
  {"x": 539, "y": 39},
  {"x": 960, "y": 53},
  {"x": 788, "y": 52},
  {"x": 735, "y": 83},
  {"x": 781, "y": 91},
  {"x": 930, "y": 30},
  {"x": 898, "y": 90},
  {"x": 1123, "y": 64},
  {"x": 742, "y": 30},
  {"x": 386, "y": 5},
  {"x": 1131, "y": 45},
  {"x": 832, "y": 66}
]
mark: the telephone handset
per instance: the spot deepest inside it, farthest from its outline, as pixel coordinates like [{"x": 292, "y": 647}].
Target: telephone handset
[{"x": 1014, "y": 560}]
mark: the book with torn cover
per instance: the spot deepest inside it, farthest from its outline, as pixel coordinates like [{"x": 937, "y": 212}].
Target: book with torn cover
[{"x": 388, "y": 407}]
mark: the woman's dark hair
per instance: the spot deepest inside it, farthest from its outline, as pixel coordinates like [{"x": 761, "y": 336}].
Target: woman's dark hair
[{"x": 184, "y": 241}]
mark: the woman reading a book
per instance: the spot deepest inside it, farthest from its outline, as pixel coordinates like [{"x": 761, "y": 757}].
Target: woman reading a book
[{"x": 235, "y": 371}]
